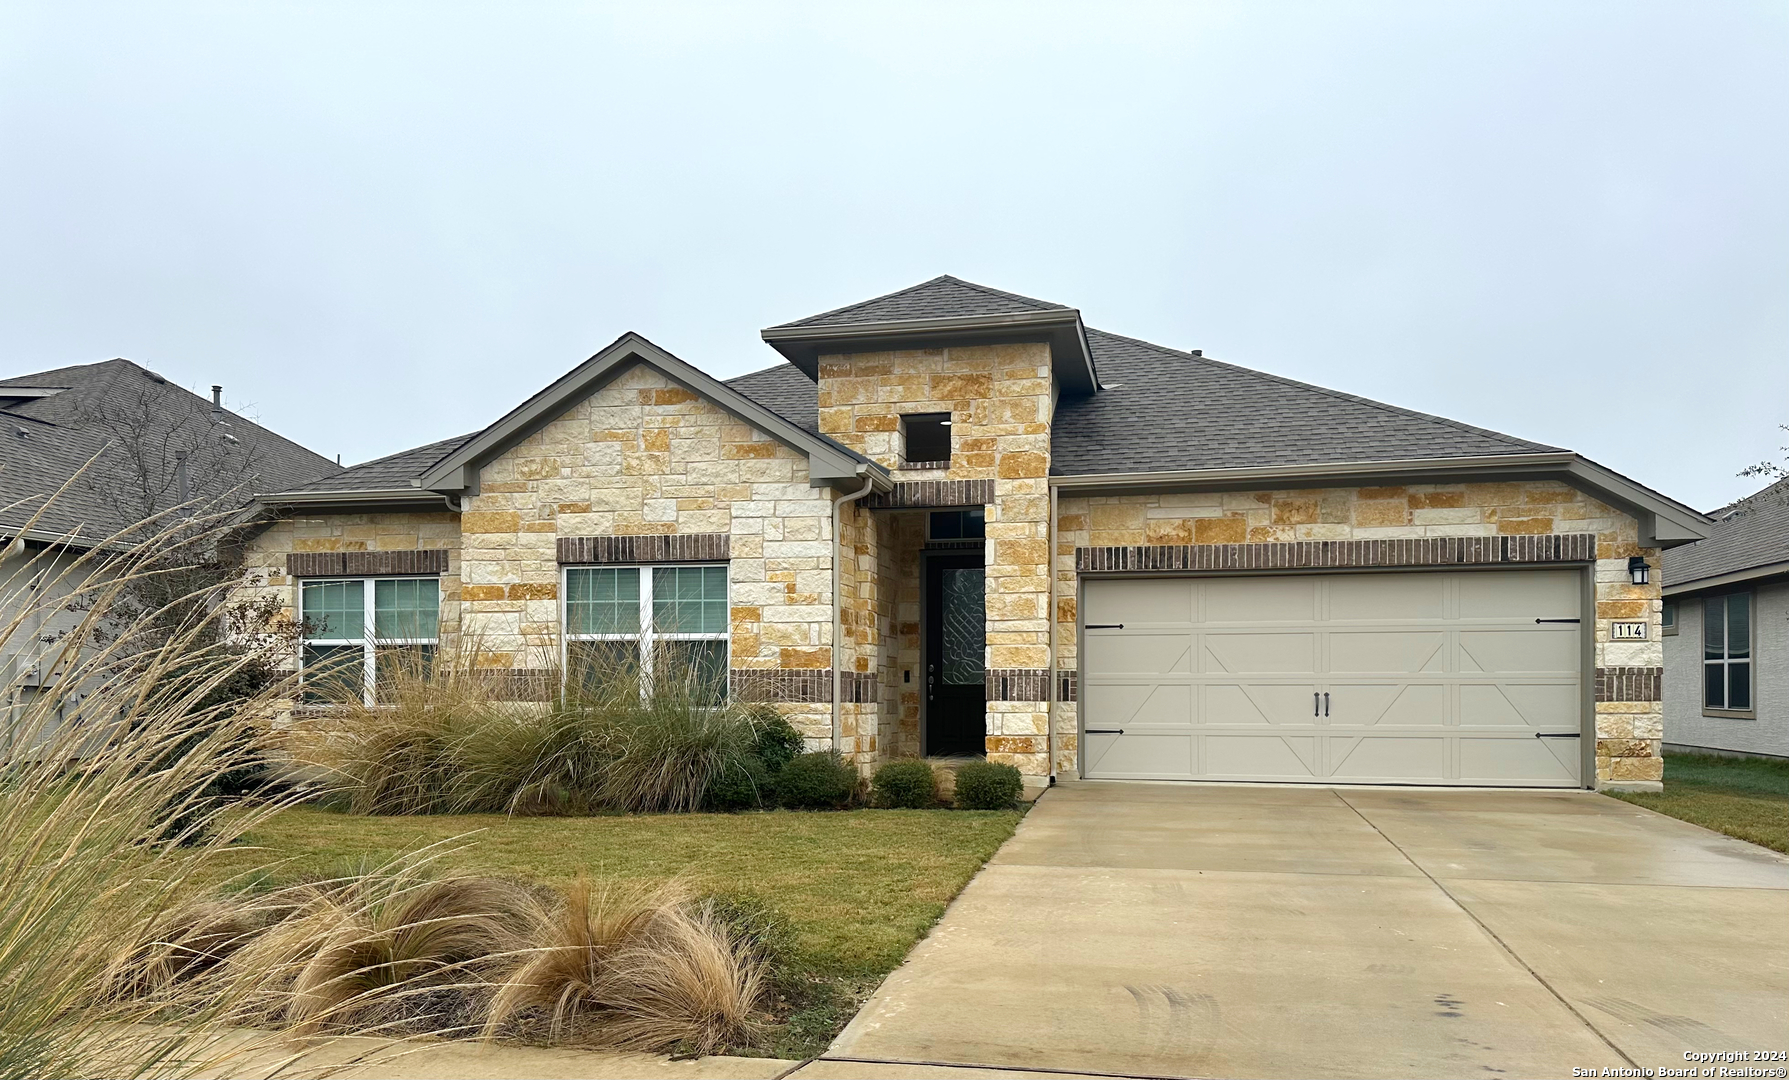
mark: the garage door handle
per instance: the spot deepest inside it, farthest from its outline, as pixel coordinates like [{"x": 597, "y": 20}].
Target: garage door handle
[
  {"x": 1105, "y": 626},
  {"x": 1558, "y": 620},
  {"x": 1316, "y": 703},
  {"x": 1558, "y": 735},
  {"x": 1105, "y": 731}
]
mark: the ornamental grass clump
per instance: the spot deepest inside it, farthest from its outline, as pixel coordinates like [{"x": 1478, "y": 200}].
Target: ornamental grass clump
[{"x": 633, "y": 968}]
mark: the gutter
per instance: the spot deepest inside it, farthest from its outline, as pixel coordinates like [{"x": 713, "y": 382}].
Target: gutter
[
  {"x": 838, "y": 577},
  {"x": 1054, "y": 677},
  {"x": 409, "y": 495}
]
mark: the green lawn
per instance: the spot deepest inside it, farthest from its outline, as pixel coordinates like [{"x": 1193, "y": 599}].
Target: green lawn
[
  {"x": 1741, "y": 797},
  {"x": 858, "y": 888}
]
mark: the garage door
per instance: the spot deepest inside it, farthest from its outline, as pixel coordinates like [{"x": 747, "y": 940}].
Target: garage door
[{"x": 1412, "y": 678}]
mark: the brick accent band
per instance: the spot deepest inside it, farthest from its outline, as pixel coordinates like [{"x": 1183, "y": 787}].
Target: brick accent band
[
  {"x": 913, "y": 493},
  {"x": 1017, "y": 684},
  {"x": 1316, "y": 554},
  {"x": 365, "y": 563},
  {"x": 1630, "y": 683},
  {"x": 681, "y": 547},
  {"x": 802, "y": 685}
]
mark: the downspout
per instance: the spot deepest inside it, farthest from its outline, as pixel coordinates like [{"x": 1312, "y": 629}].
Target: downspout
[
  {"x": 838, "y": 579},
  {"x": 1055, "y": 677}
]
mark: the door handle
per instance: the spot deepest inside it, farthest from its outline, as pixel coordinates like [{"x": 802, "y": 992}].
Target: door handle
[
  {"x": 1316, "y": 703},
  {"x": 1326, "y": 703},
  {"x": 1558, "y": 735}
]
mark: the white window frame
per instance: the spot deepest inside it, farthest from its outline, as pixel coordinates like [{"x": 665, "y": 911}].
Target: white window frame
[
  {"x": 369, "y": 644},
  {"x": 1726, "y": 660},
  {"x": 647, "y": 638}
]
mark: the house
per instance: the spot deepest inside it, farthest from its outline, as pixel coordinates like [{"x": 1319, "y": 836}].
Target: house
[
  {"x": 1726, "y": 632},
  {"x": 955, "y": 520},
  {"x": 92, "y": 457}
]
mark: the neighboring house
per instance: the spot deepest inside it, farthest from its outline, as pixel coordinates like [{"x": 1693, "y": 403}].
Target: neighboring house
[
  {"x": 87, "y": 454},
  {"x": 1727, "y": 632},
  {"x": 959, "y": 521}
]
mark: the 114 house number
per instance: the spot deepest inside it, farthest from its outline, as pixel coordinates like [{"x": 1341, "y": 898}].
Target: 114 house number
[{"x": 1627, "y": 631}]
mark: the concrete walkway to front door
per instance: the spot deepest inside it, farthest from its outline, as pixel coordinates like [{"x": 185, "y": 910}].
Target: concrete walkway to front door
[{"x": 1234, "y": 931}]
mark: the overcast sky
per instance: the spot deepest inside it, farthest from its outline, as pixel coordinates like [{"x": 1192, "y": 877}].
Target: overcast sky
[{"x": 379, "y": 225}]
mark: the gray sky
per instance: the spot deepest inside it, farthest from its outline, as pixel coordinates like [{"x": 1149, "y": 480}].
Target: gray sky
[{"x": 382, "y": 224}]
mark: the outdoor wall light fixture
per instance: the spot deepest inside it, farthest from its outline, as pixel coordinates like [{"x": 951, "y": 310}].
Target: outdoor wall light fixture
[{"x": 1638, "y": 570}]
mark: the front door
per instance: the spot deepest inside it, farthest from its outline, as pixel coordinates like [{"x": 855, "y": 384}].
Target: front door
[{"x": 956, "y": 632}]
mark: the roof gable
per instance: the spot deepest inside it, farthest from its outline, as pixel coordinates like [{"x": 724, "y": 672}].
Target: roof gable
[{"x": 457, "y": 471}]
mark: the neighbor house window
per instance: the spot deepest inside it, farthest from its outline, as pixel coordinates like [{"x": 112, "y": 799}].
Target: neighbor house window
[
  {"x": 1727, "y": 653},
  {"x": 348, "y": 654},
  {"x": 1668, "y": 617},
  {"x": 648, "y": 622},
  {"x": 925, "y": 439}
]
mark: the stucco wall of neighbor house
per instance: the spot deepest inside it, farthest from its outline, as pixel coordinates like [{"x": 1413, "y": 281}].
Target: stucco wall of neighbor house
[
  {"x": 643, "y": 456},
  {"x": 1686, "y": 726},
  {"x": 1628, "y": 732},
  {"x": 45, "y": 594},
  {"x": 1000, "y": 398},
  {"x": 264, "y": 558}
]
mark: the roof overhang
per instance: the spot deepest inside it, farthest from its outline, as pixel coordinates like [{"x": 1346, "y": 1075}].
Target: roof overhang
[
  {"x": 1664, "y": 522},
  {"x": 1750, "y": 575},
  {"x": 830, "y": 463},
  {"x": 1070, "y": 358}
]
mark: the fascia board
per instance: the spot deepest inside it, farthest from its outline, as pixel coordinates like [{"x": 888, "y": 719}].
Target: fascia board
[
  {"x": 457, "y": 471},
  {"x": 409, "y": 495},
  {"x": 803, "y": 345},
  {"x": 1735, "y": 577}
]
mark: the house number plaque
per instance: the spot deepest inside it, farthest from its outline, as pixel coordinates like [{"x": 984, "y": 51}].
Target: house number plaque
[{"x": 1627, "y": 631}]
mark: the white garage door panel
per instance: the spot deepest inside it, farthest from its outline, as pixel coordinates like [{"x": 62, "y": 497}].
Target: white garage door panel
[{"x": 1430, "y": 677}]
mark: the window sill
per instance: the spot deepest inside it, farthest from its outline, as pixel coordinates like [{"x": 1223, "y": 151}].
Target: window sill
[
  {"x": 925, "y": 464},
  {"x": 1732, "y": 714}
]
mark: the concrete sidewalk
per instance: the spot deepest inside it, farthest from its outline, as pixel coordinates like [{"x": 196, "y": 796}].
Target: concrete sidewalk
[{"x": 1189, "y": 930}]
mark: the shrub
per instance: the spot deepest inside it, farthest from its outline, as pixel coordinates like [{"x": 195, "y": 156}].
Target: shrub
[
  {"x": 984, "y": 785},
  {"x": 906, "y": 785},
  {"x": 743, "y": 785},
  {"x": 818, "y": 781},
  {"x": 776, "y": 742}
]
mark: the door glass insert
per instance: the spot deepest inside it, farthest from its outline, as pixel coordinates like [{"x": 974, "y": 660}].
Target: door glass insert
[{"x": 964, "y": 618}]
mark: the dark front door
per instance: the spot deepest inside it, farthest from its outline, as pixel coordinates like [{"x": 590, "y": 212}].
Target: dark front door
[{"x": 956, "y": 631}]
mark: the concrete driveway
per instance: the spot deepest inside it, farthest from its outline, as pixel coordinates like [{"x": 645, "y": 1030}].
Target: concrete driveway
[{"x": 1181, "y": 930}]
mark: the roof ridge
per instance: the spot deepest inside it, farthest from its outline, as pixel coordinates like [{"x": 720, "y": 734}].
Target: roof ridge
[
  {"x": 1041, "y": 305},
  {"x": 860, "y": 303},
  {"x": 1337, "y": 394}
]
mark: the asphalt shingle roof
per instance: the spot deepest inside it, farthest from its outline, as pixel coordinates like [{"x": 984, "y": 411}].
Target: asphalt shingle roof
[
  {"x": 48, "y": 443},
  {"x": 389, "y": 472},
  {"x": 943, "y": 297},
  {"x": 1166, "y": 410},
  {"x": 1162, "y": 409},
  {"x": 1751, "y": 532}
]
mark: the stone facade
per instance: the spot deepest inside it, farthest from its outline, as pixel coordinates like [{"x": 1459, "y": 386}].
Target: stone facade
[
  {"x": 1628, "y": 725},
  {"x": 1001, "y": 399},
  {"x": 644, "y": 458}
]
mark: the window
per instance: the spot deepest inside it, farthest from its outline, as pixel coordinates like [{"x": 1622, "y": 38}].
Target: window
[
  {"x": 925, "y": 440},
  {"x": 341, "y": 659},
  {"x": 1727, "y": 654},
  {"x": 647, "y": 622},
  {"x": 1668, "y": 617},
  {"x": 958, "y": 524}
]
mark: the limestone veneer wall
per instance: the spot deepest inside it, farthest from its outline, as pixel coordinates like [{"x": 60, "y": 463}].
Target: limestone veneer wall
[
  {"x": 644, "y": 456},
  {"x": 1001, "y": 399},
  {"x": 1628, "y": 732},
  {"x": 264, "y": 558}
]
